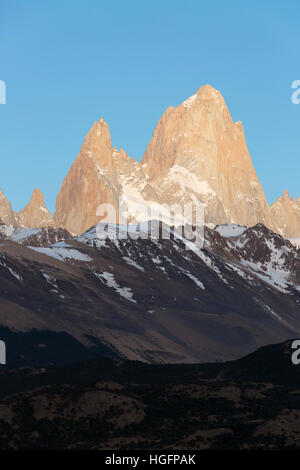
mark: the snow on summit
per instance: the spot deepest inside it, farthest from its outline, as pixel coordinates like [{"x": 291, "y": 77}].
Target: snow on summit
[{"x": 230, "y": 230}]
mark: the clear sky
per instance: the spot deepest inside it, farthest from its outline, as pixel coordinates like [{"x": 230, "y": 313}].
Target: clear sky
[{"x": 67, "y": 63}]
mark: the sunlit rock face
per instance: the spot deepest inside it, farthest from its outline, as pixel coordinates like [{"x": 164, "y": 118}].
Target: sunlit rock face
[
  {"x": 7, "y": 215},
  {"x": 286, "y": 215},
  {"x": 35, "y": 214},
  {"x": 197, "y": 155},
  {"x": 199, "y": 152},
  {"x": 100, "y": 175}
]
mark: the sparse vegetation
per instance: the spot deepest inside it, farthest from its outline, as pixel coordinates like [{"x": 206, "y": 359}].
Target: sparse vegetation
[{"x": 253, "y": 403}]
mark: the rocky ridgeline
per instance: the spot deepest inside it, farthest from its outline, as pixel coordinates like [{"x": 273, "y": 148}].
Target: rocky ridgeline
[{"x": 197, "y": 155}]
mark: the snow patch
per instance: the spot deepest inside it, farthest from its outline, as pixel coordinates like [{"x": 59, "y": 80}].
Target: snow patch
[
  {"x": 23, "y": 233},
  {"x": 133, "y": 263},
  {"x": 61, "y": 254},
  {"x": 109, "y": 280},
  {"x": 230, "y": 230},
  {"x": 187, "y": 181},
  {"x": 188, "y": 103},
  {"x": 12, "y": 272}
]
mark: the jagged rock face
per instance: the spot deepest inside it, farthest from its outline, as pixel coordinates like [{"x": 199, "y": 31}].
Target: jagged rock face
[
  {"x": 35, "y": 214},
  {"x": 100, "y": 175},
  {"x": 286, "y": 215},
  {"x": 91, "y": 180},
  {"x": 7, "y": 215},
  {"x": 265, "y": 254},
  {"x": 155, "y": 300},
  {"x": 5, "y": 230},
  {"x": 34, "y": 237},
  {"x": 198, "y": 153}
]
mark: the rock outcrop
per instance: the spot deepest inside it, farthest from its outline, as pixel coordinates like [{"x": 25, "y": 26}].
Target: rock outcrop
[
  {"x": 286, "y": 215},
  {"x": 91, "y": 180},
  {"x": 7, "y": 215}
]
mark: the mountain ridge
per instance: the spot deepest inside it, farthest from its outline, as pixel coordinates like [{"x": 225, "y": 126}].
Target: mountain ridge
[
  {"x": 197, "y": 155},
  {"x": 149, "y": 298}
]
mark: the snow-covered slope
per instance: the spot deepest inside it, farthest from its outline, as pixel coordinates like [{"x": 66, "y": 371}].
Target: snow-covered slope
[{"x": 151, "y": 298}]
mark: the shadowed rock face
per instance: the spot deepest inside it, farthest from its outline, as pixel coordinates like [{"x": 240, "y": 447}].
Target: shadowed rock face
[
  {"x": 149, "y": 299},
  {"x": 35, "y": 214}
]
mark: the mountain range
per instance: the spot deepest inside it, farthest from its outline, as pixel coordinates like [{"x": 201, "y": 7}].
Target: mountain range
[
  {"x": 197, "y": 154},
  {"x": 145, "y": 297},
  {"x": 73, "y": 287}
]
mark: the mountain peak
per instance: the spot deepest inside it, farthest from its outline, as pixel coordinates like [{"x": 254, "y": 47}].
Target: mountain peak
[
  {"x": 198, "y": 153},
  {"x": 91, "y": 181},
  {"x": 286, "y": 215},
  {"x": 35, "y": 214},
  {"x": 101, "y": 126},
  {"x": 97, "y": 143},
  {"x": 207, "y": 91},
  {"x": 6, "y": 213},
  {"x": 205, "y": 94},
  {"x": 37, "y": 197}
]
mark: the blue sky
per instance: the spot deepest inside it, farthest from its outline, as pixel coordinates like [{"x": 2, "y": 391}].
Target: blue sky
[{"x": 68, "y": 63}]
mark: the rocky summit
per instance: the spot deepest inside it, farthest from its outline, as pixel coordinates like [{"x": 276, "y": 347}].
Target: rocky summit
[
  {"x": 83, "y": 288},
  {"x": 35, "y": 214},
  {"x": 7, "y": 215},
  {"x": 197, "y": 155},
  {"x": 286, "y": 215}
]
